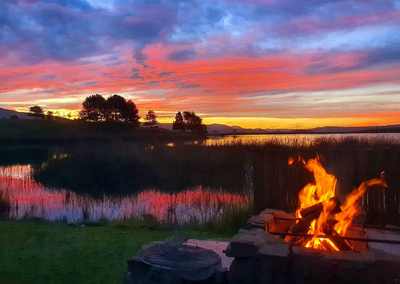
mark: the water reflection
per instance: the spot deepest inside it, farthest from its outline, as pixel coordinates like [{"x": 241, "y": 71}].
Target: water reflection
[{"x": 29, "y": 199}]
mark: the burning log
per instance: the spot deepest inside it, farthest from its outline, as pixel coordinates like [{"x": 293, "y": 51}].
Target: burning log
[
  {"x": 341, "y": 244},
  {"x": 303, "y": 225},
  {"x": 311, "y": 213},
  {"x": 320, "y": 206},
  {"x": 364, "y": 240},
  {"x": 328, "y": 226}
]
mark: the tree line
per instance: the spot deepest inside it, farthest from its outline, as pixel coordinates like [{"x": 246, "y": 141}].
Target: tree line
[
  {"x": 38, "y": 112},
  {"x": 190, "y": 122},
  {"x": 115, "y": 108}
]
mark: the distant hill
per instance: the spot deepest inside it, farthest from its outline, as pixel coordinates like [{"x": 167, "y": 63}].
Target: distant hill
[
  {"x": 5, "y": 113},
  {"x": 216, "y": 128},
  {"x": 165, "y": 125},
  {"x": 225, "y": 129},
  {"x": 376, "y": 129},
  {"x": 384, "y": 129},
  {"x": 336, "y": 129}
]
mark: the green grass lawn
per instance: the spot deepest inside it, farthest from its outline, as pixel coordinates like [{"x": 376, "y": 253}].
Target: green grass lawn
[{"x": 56, "y": 253}]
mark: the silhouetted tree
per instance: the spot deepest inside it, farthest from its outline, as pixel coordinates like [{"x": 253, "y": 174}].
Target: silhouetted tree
[
  {"x": 93, "y": 108},
  {"x": 193, "y": 122},
  {"x": 36, "y": 111},
  {"x": 120, "y": 110},
  {"x": 178, "y": 123},
  {"x": 132, "y": 114},
  {"x": 150, "y": 119},
  {"x": 114, "y": 109},
  {"x": 50, "y": 115}
]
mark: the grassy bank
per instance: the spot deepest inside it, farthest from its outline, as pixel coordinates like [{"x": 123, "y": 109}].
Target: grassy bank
[
  {"x": 23, "y": 155},
  {"x": 57, "y": 253},
  {"x": 22, "y": 132}
]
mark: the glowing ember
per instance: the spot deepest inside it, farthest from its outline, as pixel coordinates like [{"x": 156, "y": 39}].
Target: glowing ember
[{"x": 318, "y": 202}]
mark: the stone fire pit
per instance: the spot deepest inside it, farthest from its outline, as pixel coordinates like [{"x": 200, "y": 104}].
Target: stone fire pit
[
  {"x": 255, "y": 255},
  {"x": 261, "y": 257}
]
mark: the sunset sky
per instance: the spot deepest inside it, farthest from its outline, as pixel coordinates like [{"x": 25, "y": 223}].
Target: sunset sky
[{"x": 254, "y": 63}]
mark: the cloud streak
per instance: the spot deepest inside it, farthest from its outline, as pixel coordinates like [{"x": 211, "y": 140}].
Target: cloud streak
[{"x": 267, "y": 59}]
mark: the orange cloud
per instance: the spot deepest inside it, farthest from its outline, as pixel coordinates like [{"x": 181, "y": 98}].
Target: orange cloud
[{"x": 278, "y": 89}]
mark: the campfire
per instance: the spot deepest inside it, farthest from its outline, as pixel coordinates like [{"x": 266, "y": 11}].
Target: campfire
[
  {"x": 317, "y": 244},
  {"x": 322, "y": 242},
  {"x": 322, "y": 220}
]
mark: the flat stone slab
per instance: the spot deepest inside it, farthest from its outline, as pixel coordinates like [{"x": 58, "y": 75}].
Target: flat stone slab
[
  {"x": 274, "y": 249},
  {"x": 384, "y": 235},
  {"x": 246, "y": 243},
  {"x": 218, "y": 247},
  {"x": 362, "y": 257},
  {"x": 269, "y": 220},
  {"x": 253, "y": 242},
  {"x": 272, "y": 211}
]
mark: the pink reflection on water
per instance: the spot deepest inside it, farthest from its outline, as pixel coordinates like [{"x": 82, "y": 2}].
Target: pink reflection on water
[{"x": 30, "y": 199}]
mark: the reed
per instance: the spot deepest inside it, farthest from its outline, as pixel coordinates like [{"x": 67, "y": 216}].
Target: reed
[
  {"x": 123, "y": 167},
  {"x": 5, "y": 205}
]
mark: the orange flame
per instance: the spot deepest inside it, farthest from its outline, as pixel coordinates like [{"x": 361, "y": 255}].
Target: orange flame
[
  {"x": 350, "y": 208},
  {"x": 323, "y": 192}
]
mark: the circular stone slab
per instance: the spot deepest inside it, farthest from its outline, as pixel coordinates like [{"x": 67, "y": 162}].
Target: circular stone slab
[{"x": 179, "y": 257}]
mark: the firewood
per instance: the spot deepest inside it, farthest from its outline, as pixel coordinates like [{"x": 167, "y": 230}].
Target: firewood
[
  {"x": 319, "y": 207},
  {"x": 311, "y": 213},
  {"x": 332, "y": 222},
  {"x": 328, "y": 230},
  {"x": 341, "y": 244},
  {"x": 303, "y": 225}
]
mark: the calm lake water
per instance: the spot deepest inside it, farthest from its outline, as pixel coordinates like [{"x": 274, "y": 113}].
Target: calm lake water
[{"x": 196, "y": 204}]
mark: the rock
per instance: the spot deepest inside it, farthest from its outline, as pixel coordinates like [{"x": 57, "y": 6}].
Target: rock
[
  {"x": 243, "y": 271},
  {"x": 268, "y": 221},
  {"x": 274, "y": 249},
  {"x": 318, "y": 266},
  {"x": 260, "y": 221},
  {"x": 246, "y": 243}
]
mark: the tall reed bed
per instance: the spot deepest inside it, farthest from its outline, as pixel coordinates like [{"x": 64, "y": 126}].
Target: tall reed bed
[
  {"x": 5, "y": 205},
  {"x": 126, "y": 168},
  {"x": 304, "y": 141},
  {"x": 122, "y": 167},
  {"x": 199, "y": 209}
]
